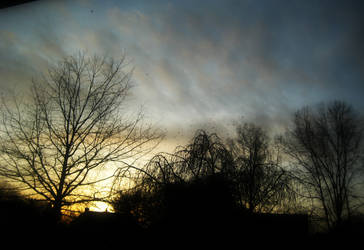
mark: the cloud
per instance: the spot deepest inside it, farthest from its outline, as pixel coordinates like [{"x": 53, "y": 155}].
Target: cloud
[
  {"x": 197, "y": 62},
  {"x": 261, "y": 61}
]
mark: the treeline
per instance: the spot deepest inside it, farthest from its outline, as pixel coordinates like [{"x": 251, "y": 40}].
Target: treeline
[
  {"x": 209, "y": 188},
  {"x": 75, "y": 123},
  {"x": 250, "y": 185},
  {"x": 315, "y": 168},
  {"x": 207, "y": 175}
]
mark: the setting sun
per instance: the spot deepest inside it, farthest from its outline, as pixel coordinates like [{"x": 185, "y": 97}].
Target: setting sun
[{"x": 100, "y": 206}]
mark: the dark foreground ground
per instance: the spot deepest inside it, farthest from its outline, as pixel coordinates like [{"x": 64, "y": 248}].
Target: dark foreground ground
[
  {"x": 194, "y": 221},
  {"x": 233, "y": 231}
]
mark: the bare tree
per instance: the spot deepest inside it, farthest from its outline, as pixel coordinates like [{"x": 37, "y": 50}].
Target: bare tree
[
  {"x": 74, "y": 123},
  {"x": 206, "y": 157},
  {"x": 325, "y": 144},
  {"x": 261, "y": 184}
]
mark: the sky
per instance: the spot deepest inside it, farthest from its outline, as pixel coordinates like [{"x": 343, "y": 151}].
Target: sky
[{"x": 200, "y": 64}]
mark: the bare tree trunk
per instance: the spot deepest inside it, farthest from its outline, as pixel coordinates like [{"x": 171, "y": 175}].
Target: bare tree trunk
[
  {"x": 73, "y": 125},
  {"x": 325, "y": 144}
]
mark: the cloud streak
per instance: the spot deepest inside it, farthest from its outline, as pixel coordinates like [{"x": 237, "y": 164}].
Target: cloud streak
[{"x": 198, "y": 61}]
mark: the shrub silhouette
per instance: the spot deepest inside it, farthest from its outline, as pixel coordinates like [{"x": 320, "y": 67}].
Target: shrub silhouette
[
  {"x": 203, "y": 206},
  {"x": 24, "y": 218},
  {"x": 105, "y": 225}
]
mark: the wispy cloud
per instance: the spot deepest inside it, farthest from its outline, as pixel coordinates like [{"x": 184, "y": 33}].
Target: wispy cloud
[{"x": 198, "y": 61}]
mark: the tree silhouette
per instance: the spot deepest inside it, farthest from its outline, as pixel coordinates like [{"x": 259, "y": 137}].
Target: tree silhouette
[
  {"x": 73, "y": 124},
  {"x": 205, "y": 158},
  {"x": 205, "y": 155},
  {"x": 325, "y": 144},
  {"x": 261, "y": 184}
]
